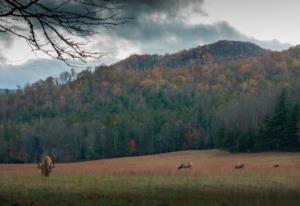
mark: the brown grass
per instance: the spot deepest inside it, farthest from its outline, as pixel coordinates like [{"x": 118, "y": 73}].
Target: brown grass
[{"x": 157, "y": 176}]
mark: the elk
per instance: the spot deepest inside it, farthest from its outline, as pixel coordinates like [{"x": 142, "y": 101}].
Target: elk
[
  {"x": 275, "y": 164},
  {"x": 187, "y": 165},
  {"x": 239, "y": 166},
  {"x": 46, "y": 165}
]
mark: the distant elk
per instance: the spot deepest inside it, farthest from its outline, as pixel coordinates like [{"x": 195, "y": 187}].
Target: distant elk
[
  {"x": 186, "y": 165},
  {"x": 275, "y": 164},
  {"x": 46, "y": 165},
  {"x": 239, "y": 166}
]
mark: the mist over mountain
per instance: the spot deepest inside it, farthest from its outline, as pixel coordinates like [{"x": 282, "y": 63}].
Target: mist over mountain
[{"x": 2, "y": 91}]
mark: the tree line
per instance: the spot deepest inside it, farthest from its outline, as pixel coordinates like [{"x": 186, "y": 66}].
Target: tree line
[{"x": 246, "y": 105}]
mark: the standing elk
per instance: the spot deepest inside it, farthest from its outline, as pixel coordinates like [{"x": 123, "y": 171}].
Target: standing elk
[
  {"x": 239, "y": 166},
  {"x": 46, "y": 165},
  {"x": 187, "y": 165}
]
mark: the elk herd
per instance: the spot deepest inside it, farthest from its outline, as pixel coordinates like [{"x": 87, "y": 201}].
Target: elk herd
[
  {"x": 239, "y": 165},
  {"x": 242, "y": 165},
  {"x": 47, "y": 164}
]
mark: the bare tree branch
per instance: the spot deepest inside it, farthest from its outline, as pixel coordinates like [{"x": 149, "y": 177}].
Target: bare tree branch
[{"x": 59, "y": 28}]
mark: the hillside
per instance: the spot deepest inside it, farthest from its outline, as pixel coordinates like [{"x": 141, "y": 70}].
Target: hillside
[
  {"x": 218, "y": 52},
  {"x": 244, "y": 105}
]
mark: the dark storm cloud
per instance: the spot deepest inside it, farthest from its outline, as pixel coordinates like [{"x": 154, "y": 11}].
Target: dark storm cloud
[
  {"x": 170, "y": 37},
  {"x": 158, "y": 21},
  {"x": 149, "y": 30},
  {"x": 167, "y": 37},
  {"x": 137, "y": 8},
  {"x": 165, "y": 26}
]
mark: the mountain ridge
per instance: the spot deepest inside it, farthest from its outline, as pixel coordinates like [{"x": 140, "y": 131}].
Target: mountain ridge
[{"x": 218, "y": 52}]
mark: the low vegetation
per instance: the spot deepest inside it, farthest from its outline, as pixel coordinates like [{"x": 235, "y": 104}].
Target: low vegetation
[{"x": 156, "y": 181}]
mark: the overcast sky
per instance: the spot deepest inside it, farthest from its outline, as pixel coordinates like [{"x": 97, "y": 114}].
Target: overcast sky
[{"x": 168, "y": 26}]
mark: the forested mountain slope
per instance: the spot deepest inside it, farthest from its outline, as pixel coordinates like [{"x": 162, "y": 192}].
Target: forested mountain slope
[{"x": 247, "y": 103}]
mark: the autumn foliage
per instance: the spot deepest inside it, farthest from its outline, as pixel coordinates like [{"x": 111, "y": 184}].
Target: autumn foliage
[{"x": 175, "y": 102}]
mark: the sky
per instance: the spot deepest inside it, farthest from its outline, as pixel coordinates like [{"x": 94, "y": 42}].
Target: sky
[{"x": 166, "y": 27}]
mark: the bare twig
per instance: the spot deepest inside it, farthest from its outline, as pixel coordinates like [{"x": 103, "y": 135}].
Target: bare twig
[{"x": 58, "y": 28}]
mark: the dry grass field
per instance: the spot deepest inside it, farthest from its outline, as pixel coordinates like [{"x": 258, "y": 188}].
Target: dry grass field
[{"x": 155, "y": 180}]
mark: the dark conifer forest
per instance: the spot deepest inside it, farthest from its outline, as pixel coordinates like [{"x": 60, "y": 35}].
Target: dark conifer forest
[{"x": 230, "y": 95}]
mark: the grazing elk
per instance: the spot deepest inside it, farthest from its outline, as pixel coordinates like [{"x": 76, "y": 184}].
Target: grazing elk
[
  {"x": 46, "y": 165},
  {"x": 275, "y": 164},
  {"x": 187, "y": 165},
  {"x": 239, "y": 166}
]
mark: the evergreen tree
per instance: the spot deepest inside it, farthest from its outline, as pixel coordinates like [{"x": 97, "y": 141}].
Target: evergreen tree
[
  {"x": 278, "y": 123},
  {"x": 273, "y": 131},
  {"x": 220, "y": 134},
  {"x": 290, "y": 141},
  {"x": 266, "y": 134}
]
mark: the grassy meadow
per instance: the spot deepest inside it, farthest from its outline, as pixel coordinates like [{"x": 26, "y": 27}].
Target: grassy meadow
[{"x": 154, "y": 180}]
